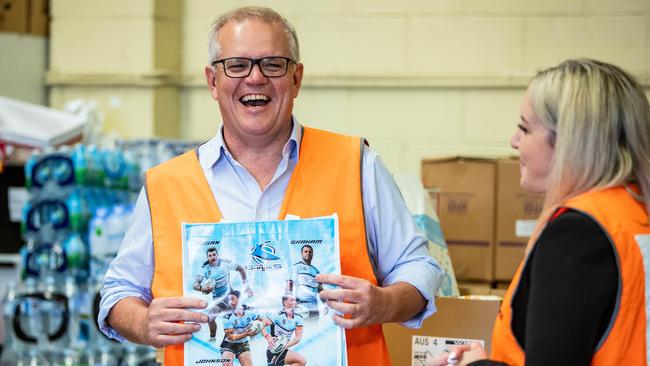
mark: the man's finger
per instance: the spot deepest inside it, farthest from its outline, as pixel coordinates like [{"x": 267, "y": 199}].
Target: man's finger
[
  {"x": 345, "y": 323},
  {"x": 342, "y": 307},
  {"x": 175, "y": 315},
  {"x": 178, "y": 328},
  {"x": 340, "y": 295},
  {"x": 167, "y": 340},
  {"x": 181, "y": 302},
  {"x": 339, "y": 280}
]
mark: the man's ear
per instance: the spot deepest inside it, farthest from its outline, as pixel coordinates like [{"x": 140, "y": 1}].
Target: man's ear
[
  {"x": 297, "y": 79},
  {"x": 211, "y": 79}
]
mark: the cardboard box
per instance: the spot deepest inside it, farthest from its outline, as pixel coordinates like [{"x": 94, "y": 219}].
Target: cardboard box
[
  {"x": 25, "y": 16},
  {"x": 516, "y": 214},
  {"x": 467, "y": 205},
  {"x": 39, "y": 17},
  {"x": 475, "y": 288},
  {"x": 455, "y": 318},
  {"x": 482, "y": 289},
  {"x": 14, "y": 16}
]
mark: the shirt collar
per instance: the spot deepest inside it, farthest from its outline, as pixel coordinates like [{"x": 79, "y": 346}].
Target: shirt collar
[{"x": 216, "y": 148}]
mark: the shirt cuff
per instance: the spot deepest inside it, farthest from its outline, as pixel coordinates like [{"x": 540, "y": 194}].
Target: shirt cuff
[
  {"x": 426, "y": 279},
  {"x": 111, "y": 294}
]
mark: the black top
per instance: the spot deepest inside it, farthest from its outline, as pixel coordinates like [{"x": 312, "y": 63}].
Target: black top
[{"x": 567, "y": 293}]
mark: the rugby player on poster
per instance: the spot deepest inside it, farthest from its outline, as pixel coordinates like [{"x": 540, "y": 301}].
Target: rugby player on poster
[
  {"x": 238, "y": 326},
  {"x": 216, "y": 280},
  {"x": 307, "y": 288},
  {"x": 284, "y": 325}
]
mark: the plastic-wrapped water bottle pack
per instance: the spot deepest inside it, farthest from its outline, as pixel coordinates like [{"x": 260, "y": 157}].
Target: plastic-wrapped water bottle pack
[{"x": 80, "y": 202}]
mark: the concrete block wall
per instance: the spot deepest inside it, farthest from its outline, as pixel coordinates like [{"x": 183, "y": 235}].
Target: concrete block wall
[
  {"x": 417, "y": 77},
  {"x": 123, "y": 54}
]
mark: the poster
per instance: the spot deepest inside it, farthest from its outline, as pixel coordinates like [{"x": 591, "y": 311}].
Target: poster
[{"x": 259, "y": 281}]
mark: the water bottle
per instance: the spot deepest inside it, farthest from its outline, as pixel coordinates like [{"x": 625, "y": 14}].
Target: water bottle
[
  {"x": 115, "y": 228},
  {"x": 149, "y": 158},
  {"x": 97, "y": 234},
  {"x": 165, "y": 151},
  {"x": 77, "y": 256},
  {"x": 134, "y": 180},
  {"x": 72, "y": 293},
  {"x": 80, "y": 162},
  {"x": 115, "y": 168},
  {"x": 23, "y": 222},
  {"x": 29, "y": 168},
  {"x": 95, "y": 171},
  {"x": 75, "y": 210},
  {"x": 131, "y": 357},
  {"x": 32, "y": 357},
  {"x": 11, "y": 346}
]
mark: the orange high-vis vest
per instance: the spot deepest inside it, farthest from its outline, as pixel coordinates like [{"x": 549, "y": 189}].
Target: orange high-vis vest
[
  {"x": 625, "y": 221},
  {"x": 326, "y": 180}
]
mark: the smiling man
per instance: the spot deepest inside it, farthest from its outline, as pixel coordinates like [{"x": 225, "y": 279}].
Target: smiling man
[{"x": 263, "y": 165}]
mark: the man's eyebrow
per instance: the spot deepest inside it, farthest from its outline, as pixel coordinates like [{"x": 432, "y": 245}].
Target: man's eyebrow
[{"x": 523, "y": 119}]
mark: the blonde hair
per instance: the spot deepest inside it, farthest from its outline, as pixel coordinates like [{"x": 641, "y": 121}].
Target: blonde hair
[
  {"x": 600, "y": 119},
  {"x": 262, "y": 14}
]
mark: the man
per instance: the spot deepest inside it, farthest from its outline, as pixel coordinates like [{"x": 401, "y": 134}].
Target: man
[
  {"x": 237, "y": 331},
  {"x": 263, "y": 165},
  {"x": 218, "y": 271},
  {"x": 215, "y": 279},
  {"x": 307, "y": 288},
  {"x": 287, "y": 323}
]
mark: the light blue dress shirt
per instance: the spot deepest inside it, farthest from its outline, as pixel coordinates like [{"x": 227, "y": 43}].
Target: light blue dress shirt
[{"x": 399, "y": 252}]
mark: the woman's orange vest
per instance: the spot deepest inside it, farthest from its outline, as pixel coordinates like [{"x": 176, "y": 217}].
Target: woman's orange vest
[
  {"x": 624, "y": 342},
  {"x": 326, "y": 180}
]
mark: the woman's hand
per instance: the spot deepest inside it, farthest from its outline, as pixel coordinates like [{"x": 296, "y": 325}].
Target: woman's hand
[{"x": 459, "y": 355}]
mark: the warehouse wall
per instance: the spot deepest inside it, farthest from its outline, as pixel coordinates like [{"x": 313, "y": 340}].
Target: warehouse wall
[
  {"x": 22, "y": 67},
  {"x": 416, "y": 77}
]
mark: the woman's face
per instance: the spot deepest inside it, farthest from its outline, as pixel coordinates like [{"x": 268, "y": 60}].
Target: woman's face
[{"x": 533, "y": 141}]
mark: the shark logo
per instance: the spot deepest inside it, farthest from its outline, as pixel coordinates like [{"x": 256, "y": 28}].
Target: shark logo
[{"x": 263, "y": 253}]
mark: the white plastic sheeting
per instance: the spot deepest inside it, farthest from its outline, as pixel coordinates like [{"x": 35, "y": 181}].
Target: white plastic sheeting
[
  {"x": 421, "y": 205},
  {"x": 34, "y": 125}
]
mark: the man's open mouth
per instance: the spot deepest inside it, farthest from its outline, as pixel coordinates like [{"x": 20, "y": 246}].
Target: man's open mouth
[{"x": 255, "y": 100}]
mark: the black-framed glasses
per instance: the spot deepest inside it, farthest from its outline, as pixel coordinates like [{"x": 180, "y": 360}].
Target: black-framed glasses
[{"x": 241, "y": 67}]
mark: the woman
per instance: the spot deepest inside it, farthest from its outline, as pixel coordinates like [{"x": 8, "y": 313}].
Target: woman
[{"x": 578, "y": 298}]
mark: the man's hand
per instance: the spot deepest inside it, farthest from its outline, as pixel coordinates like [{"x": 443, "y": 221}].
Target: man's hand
[
  {"x": 159, "y": 323},
  {"x": 363, "y": 303},
  {"x": 360, "y": 301}
]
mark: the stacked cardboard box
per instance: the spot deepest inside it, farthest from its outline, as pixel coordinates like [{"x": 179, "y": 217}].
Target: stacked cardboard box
[
  {"x": 485, "y": 215},
  {"x": 466, "y": 203},
  {"x": 516, "y": 214},
  {"x": 24, "y": 16},
  {"x": 456, "y": 321}
]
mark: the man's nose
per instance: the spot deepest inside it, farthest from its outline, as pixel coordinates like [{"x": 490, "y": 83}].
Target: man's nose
[{"x": 256, "y": 75}]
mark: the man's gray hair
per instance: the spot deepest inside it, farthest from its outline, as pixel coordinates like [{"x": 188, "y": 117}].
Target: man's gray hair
[{"x": 262, "y": 14}]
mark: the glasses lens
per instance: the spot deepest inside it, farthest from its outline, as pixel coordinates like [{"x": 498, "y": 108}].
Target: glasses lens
[
  {"x": 237, "y": 67},
  {"x": 274, "y": 66}
]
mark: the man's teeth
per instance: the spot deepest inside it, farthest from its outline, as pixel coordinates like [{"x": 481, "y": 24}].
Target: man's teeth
[{"x": 252, "y": 97}]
